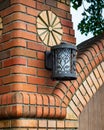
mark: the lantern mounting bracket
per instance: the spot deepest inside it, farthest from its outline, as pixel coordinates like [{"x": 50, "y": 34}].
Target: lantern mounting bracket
[{"x": 48, "y": 58}]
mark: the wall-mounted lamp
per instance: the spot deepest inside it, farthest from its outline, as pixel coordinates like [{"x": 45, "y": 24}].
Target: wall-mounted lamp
[{"x": 62, "y": 61}]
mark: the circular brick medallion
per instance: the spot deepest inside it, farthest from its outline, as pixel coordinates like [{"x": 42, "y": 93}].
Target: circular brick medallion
[{"x": 49, "y": 28}]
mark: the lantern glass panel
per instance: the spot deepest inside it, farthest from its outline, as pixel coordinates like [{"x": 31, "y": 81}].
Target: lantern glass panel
[{"x": 62, "y": 58}]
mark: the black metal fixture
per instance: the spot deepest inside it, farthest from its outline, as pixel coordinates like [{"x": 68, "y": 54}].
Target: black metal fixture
[{"x": 62, "y": 61}]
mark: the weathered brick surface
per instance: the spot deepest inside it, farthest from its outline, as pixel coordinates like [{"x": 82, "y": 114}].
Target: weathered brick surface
[{"x": 26, "y": 88}]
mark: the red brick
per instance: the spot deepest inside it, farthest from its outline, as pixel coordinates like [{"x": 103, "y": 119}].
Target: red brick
[
  {"x": 45, "y": 99},
  {"x": 72, "y": 89},
  {"x": 85, "y": 59},
  {"x": 96, "y": 48},
  {"x": 58, "y": 112},
  {"x": 45, "y": 90},
  {"x": 4, "y": 72},
  {"x": 46, "y": 110},
  {"x": 40, "y": 55},
  {"x": 63, "y": 6},
  {"x": 98, "y": 59},
  {"x": 26, "y": 110},
  {"x": 69, "y": 94},
  {"x": 36, "y": 63},
  {"x": 79, "y": 79},
  {"x": 14, "y": 25},
  {"x": 14, "y": 8},
  {"x": 51, "y": 3},
  {"x": 5, "y": 37},
  {"x": 35, "y": 46},
  {"x": 14, "y": 61},
  {"x": 82, "y": 75},
  {"x": 17, "y": 98},
  {"x": 44, "y": 73},
  {"x": 43, "y": 1},
  {"x": 39, "y": 99},
  {"x": 60, "y": 13},
  {"x": 65, "y": 101},
  {"x": 4, "y": 99},
  {"x": 32, "y": 112},
  {"x": 23, "y": 34},
  {"x": 14, "y": 43},
  {"x": 20, "y": 17},
  {"x": 32, "y": 11},
  {"x": 59, "y": 93},
  {"x": 9, "y": 97},
  {"x": 92, "y": 51},
  {"x": 81, "y": 62},
  {"x": 62, "y": 87},
  {"x": 66, "y": 30},
  {"x": 42, "y": 6},
  {"x": 52, "y": 112},
  {"x": 57, "y": 102},
  {"x": 89, "y": 66},
  {"x": 69, "y": 39},
  {"x": 14, "y": 79},
  {"x": 4, "y": 54},
  {"x": 66, "y": 23},
  {"x": 22, "y": 87},
  {"x": 51, "y": 82},
  {"x": 26, "y": 98},
  {"x": 36, "y": 80},
  {"x": 89, "y": 54},
  {"x": 23, "y": 52},
  {"x": 51, "y": 100},
  {"x": 63, "y": 113},
  {"x": 23, "y": 70},
  {"x": 72, "y": 32},
  {"x": 19, "y": 111},
  {"x": 39, "y": 111},
  {"x": 32, "y": 98},
  {"x": 78, "y": 67},
  {"x": 31, "y": 3},
  {"x": 5, "y": 89},
  {"x": 31, "y": 28},
  {"x": 100, "y": 45}
]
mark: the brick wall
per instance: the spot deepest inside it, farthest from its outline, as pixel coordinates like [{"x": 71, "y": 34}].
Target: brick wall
[{"x": 29, "y": 99}]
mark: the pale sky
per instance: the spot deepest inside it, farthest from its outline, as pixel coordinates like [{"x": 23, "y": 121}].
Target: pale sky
[{"x": 76, "y": 18}]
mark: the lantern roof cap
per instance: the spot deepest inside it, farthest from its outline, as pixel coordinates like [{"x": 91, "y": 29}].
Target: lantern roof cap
[{"x": 64, "y": 45}]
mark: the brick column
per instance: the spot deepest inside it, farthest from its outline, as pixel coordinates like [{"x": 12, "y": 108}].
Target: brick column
[{"x": 26, "y": 88}]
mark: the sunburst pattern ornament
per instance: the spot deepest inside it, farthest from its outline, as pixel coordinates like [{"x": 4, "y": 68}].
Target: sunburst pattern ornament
[{"x": 49, "y": 28}]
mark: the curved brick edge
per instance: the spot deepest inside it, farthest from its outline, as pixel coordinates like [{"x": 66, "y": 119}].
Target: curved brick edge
[
  {"x": 89, "y": 57},
  {"x": 23, "y": 104}
]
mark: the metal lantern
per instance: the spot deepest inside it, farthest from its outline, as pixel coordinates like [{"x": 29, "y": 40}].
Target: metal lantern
[{"x": 62, "y": 61}]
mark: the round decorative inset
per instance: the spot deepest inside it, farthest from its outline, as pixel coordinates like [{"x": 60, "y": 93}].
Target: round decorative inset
[
  {"x": 49, "y": 28},
  {"x": 1, "y": 26}
]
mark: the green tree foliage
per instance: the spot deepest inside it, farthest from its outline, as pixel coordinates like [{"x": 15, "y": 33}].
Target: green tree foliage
[{"x": 93, "y": 17}]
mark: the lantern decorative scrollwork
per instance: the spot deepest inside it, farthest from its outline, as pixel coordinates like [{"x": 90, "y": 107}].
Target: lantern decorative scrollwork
[{"x": 62, "y": 61}]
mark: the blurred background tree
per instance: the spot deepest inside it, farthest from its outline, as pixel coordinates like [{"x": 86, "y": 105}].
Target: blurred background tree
[{"x": 93, "y": 16}]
